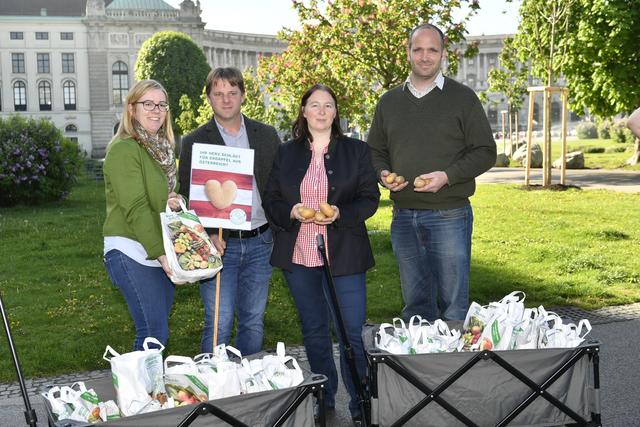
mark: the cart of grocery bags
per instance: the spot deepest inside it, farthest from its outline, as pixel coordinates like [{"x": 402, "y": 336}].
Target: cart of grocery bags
[
  {"x": 504, "y": 365},
  {"x": 221, "y": 388}
]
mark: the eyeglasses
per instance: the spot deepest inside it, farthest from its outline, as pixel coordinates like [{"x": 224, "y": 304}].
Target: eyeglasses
[{"x": 150, "y": 105}]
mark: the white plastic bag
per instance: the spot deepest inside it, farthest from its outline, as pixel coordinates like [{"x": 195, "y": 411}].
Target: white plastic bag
[
  {"x": 281, "y": 371},
  {"x": 394, "y": 338},
  {"x": 137, "y": 377},
  {"x": 183, "y": 381},
  {"x": 190, "y": 253}
]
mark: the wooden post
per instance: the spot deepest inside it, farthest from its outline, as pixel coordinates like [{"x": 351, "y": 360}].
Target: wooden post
[
  {"x": 546, "y": 130},
  {"x": 503, "y": 113},
  {"x": 217, "y": 304},
  {"x": 563, "y": 172},
  {"x": 517, "y": 135},
  {"x": 527, "y": 172}
]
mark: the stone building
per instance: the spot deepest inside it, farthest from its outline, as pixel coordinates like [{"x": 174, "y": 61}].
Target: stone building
[{"x": 72, "y": 61}]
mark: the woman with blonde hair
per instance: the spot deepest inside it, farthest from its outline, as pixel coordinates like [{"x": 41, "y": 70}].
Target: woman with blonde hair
[{"x": 140, "y": 178}]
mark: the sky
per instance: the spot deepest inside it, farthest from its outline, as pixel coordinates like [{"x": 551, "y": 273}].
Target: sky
[{"x": 269, "y": 16}]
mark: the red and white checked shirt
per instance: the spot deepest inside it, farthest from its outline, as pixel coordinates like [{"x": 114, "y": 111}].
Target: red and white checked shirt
[{"x": 313, "y": 191}]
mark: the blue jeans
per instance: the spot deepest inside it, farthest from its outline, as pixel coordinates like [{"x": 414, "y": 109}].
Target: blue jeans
[
  {"x": 148, "y": 293},
  {"x": 310, "y": 292},
  {"x": 433, "y": 250},
  {"x": 244, "y": 287}
]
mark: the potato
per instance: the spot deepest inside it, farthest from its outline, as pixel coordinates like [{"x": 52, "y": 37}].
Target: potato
[
  {"x": 390, "y": 179},
  {"x": 305, "y": 212},
  {"x": 319, "y": 216},
  {"x": 420, "y": 182},
  {"x": 326, "y": 209},
  {"x": 399, "y": 179}
]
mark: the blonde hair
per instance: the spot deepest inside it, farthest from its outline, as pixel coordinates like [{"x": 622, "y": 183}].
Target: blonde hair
[{"x": 137, "y": 91}]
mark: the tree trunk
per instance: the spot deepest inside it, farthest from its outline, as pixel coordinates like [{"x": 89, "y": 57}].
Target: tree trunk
[{"x": 635, "y": 159}]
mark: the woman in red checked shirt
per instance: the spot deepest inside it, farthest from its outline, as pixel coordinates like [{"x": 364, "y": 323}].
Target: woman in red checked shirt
[{"x": 321, "y": 165}]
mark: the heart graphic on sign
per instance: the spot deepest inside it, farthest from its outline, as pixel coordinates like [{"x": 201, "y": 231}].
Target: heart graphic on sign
[{"x": 220, "y": 195}]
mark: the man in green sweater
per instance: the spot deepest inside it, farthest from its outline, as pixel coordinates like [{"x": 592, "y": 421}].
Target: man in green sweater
[{"x": 434, "y": 132}]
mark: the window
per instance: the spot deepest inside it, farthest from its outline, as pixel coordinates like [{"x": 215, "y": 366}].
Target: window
[
  {"x": 43, "y": 62},
  {"x": 120, "y": 79},
  {"x": 44, "y": 95},
  {"x": 69, "y": 95},
  {"x": 68, "y": 65},
  {"x": 66, "y": 36},
  {"x": 16, "y": 35},
  {"x": 71, "y": 128},
  {"x": 42, "y": 35},
  {"x": 20, "y": 96},
  {"x": 17, "y": 62}
]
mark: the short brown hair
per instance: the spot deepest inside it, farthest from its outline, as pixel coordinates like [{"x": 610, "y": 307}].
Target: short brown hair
[{"x": 230, "y": 74}]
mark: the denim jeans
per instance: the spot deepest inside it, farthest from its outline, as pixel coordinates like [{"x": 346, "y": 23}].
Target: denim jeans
[
  {"x": 148, "y": 293},
  {"x": 433, "y": 250},
  {"x": 244, "y": 287},
  {"x": 310, "y": 292}
]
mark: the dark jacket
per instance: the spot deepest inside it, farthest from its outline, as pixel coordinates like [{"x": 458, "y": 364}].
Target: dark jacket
[
  {"x": 353, "y": 189},
  {"x": 262, "y": 138}
]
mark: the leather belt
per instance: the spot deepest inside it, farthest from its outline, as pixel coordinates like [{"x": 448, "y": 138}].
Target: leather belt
[{"x": 245, "y": 234}]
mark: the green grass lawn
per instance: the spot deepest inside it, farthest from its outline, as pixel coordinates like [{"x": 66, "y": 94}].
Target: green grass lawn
[
  {"x": 560, "y": 248},
  {"x": 614, "y": 156}
]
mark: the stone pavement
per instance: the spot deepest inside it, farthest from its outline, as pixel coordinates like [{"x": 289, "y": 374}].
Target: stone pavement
[
  {"x": 618, "y": 328},
  {"x": 608, "y": 179}
]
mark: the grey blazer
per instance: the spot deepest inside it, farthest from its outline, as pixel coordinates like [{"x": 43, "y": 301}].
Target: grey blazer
[{"x": 262, "y": 138}]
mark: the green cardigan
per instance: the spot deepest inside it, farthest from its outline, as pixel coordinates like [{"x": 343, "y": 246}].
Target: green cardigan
[{"x": 136, "y": 193}]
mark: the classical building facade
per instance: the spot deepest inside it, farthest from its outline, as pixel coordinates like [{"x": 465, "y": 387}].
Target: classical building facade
[{"x": 72, "y": 61}]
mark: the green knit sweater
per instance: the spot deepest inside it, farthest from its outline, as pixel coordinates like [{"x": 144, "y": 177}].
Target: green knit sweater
[
  {"x": 136, "y": 192},
  {"x": 446, "y": 130}
]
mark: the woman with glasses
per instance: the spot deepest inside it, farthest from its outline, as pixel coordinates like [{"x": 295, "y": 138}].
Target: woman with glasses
[
  {"x": 323, "y": 183},
  {"x": 140, "y": 178}
]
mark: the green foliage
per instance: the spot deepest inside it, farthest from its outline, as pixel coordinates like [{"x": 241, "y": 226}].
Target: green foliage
[
  {"x": 173, "y": 59},
  {"x": 543, "y": 35},
  {"x": 587, "y": 130},
  {"x": 358, "y": 48},
  {"x": 621, "y": 132},
  {"x": 603, "y": 59},
  {"x": 604, "y": 128},
  {"x": 37, "y": 163}
]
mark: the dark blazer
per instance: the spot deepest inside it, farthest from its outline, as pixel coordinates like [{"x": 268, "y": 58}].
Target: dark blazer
[
  {"x": 262, "y": 138},
  {"x": 353, "y": 188}
]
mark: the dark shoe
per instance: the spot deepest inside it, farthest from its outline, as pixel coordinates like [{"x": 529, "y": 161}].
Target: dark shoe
[{"x": 357, "y": 421}]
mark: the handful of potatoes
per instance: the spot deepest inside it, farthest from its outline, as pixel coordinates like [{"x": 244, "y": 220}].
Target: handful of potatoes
[
  {"x": 394, "y": 177},
  {"x": 326, "y": 211}
]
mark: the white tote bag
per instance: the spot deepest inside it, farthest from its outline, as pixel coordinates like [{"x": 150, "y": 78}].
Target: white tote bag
[
  {"x": 190, "y": 253},
  {"x": 137, "y": 377}
]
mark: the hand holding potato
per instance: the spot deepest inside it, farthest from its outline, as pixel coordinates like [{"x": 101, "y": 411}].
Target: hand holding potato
[
  {"x": 327, "y": 214},
  {"x": 430, "y": 182},
  {"x": 392, "y": 180},
  {"x": 302, "y": 213}
]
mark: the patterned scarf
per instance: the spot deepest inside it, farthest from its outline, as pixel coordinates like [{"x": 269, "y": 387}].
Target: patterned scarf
[{"x": 161, "y": 150}]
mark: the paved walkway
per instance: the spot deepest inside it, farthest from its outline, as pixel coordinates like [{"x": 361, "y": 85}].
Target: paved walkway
[{"x": 609, "y": 179}]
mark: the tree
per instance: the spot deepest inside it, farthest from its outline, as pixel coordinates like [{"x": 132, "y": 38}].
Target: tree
[
  {"x": 173, "y": 59},
  {"x": 358, "y": 48},
  {"x": 543, "y": 35},
  {"x": 510, "y": 80},
  {"x": 603, "y": 60}
]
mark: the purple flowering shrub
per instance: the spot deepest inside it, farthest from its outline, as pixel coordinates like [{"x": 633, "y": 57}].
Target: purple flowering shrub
[{"x": 37, "y": 163}]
